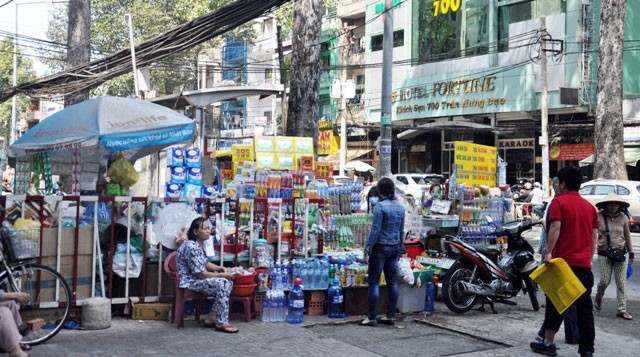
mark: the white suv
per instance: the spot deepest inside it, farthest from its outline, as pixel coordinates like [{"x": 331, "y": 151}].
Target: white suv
[
  {"x": 416, "y": 184},
  {"x": 595, "y": 190}
]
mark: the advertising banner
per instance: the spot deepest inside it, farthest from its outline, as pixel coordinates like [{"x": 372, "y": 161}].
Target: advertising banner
[
  {"x": 475, "y": 164},
  {"x": 571, "y": 151}
]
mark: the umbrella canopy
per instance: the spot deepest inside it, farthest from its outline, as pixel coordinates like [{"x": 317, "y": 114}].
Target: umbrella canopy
[
  {"x": 360, "y": 166},
  {"x": 107, "y": 123}
]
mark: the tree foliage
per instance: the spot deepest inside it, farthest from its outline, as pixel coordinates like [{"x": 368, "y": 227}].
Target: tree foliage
[
  {"x": 109, "y": 33},
  {"x": 25, "y": 74}
]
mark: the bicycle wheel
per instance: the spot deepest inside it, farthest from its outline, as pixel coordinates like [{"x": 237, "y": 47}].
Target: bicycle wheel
[{"x": 50, "y": 303}]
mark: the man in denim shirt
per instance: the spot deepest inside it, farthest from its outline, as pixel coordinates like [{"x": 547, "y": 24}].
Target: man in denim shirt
[{"x": 384, "y": 245}]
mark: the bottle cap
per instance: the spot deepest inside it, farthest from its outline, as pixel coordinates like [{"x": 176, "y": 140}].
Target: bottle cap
[{"x": 298, "y": 281}]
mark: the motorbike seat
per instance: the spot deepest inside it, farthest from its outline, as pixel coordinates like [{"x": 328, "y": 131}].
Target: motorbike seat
[{"x": 489, "y": 252}]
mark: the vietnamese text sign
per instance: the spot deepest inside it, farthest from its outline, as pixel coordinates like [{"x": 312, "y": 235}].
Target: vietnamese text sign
[
  {"x": 475, "y": 164},
  {"x": 571, "y": 151}
]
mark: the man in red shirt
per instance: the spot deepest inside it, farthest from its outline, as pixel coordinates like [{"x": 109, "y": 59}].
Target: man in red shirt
[{"x": 573, "y": 234}]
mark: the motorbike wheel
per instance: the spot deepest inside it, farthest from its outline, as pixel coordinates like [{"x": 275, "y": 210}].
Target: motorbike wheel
[
  {"x": 531, "y": 290},
  {"x": 452, "y": 293}
]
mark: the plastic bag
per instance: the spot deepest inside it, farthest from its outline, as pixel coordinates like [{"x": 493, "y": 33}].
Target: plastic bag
[
  {"x": 171, "y": 219},
  {"x": 25, "y": 224},
  {"x": 405, "y": 272},
  {"x": 629, "y": 270},
  {"x": 120, "y": 261},
  {"x": 123, "y": 172}
]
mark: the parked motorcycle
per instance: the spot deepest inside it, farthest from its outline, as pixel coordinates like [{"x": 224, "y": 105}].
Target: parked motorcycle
[{"x": 477, "y": 274}]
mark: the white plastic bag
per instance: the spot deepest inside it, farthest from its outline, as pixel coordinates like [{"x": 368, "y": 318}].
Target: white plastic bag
[
  {"x": 120, "y": 261},
  {"x": 405, "y": 272},
  {"x": 171, "y": 219}
]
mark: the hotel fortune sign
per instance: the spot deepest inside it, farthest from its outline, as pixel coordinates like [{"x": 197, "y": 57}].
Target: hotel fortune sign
[{"x": 442, "y": 92}]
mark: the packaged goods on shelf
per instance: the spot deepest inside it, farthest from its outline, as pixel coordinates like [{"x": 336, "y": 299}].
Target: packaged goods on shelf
[{"x": 175, "y": 157}]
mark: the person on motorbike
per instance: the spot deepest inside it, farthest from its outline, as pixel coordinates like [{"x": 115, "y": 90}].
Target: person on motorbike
[{"x": 572, "y": 235}]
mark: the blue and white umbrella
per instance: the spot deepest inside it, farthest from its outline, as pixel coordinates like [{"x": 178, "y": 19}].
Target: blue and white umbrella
[{"x": 107, "y": 124}]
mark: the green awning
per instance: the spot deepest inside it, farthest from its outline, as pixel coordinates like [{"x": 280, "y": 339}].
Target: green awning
[{"x": 631, "y": 156}]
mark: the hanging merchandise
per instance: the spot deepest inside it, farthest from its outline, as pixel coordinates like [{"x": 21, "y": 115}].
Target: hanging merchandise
[
  {"x": 123, "y": 172},
  {"x": 22, "y": 177}
]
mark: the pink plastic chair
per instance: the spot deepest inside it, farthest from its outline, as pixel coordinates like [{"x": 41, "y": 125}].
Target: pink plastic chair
[{"x": 181, "y": 294}]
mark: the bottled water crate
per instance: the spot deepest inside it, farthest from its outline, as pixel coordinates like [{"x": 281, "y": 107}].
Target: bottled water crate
[{"x": 411, "y": 298}]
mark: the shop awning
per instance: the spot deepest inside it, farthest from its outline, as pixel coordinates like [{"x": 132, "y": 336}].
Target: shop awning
[
  {"x": 351, "y": 155},
  {"x": 445, "y": 125},
  {"x": 631, "y": 156}
]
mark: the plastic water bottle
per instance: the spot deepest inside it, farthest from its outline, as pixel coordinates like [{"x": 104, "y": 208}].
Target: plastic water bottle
[
  {"x": 296, "y": 303},
  {"x": 335, "y": 306},
  {"x": 296, "y": 270},
  {"x": 325, "y": 274},
  {"x": 304, "y": 274},
  {"x": 266, "y": 307},
  {"x": 430, "y": 299},
  {"x": 285, "y": 275},
  {"x": 315, "y": 276}
]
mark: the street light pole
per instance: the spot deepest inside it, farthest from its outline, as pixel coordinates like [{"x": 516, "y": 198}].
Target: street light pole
[{"x": 385, "y": 112}]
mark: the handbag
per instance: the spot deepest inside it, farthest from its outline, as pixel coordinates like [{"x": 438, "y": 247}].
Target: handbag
[{"x": 615, "y": 254}]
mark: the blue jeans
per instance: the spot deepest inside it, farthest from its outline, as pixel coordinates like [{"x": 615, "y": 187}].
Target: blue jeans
[{"x": 383, "y": 257}]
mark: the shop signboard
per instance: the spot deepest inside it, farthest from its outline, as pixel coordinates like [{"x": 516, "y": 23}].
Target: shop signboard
[
  {"x": 475, "y": 164},
  {"x": 462, "y": 93},
  {"x": 327, "y": 143},
  {"x": 571, "y": 152}
]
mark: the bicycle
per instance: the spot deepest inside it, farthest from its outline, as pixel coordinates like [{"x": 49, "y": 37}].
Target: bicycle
[{"x": 50, "y": 303}]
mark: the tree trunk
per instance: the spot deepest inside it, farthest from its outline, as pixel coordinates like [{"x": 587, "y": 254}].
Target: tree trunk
[
  {"x": 283, "y": 79},
  {"x": 609, "y": 129},
  {"x": 304, "y": 110},
  {"x": 78, "y": 43}
]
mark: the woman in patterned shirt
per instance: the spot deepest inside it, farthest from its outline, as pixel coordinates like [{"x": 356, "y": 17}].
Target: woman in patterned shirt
[{"x": 200, "y": 275}]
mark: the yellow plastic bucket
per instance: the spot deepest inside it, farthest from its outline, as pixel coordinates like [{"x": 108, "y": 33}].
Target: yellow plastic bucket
[{"x": 559, "y": 283}]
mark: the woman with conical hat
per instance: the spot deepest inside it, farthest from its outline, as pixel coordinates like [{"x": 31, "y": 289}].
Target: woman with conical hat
[{"x": 612, "y": 216}]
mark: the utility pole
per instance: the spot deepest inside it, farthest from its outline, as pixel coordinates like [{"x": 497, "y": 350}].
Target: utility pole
[
  {"x": 78, "y": 43},
  {"x": 385, "y": 112},
  {"x": 544, "y": 106},
  {"x": 133, "y": 58},
  {"x": 343, "y": 100}
]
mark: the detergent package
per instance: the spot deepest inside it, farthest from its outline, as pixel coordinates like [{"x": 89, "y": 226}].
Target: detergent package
[
  {"x": 175, "y": 157},
  {"x": 192, "y": 157}
]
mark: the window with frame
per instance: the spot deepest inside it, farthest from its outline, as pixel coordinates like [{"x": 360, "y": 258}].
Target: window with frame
[
  {"x": 603, "y": 189},
  {"x": 378, "y": 40}
]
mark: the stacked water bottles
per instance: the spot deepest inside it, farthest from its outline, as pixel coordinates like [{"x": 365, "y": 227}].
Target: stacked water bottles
[
  {"x": 274, "y": 303},
  {"x": 314, "y": 274}
]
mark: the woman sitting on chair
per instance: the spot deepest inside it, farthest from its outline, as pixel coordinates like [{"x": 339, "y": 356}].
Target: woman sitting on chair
[
  {"x": 199, "y": 275},
  {"x": 11, "y": 325}
]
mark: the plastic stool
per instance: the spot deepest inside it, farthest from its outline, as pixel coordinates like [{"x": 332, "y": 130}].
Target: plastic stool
[{"x": 248, "y": 305}]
